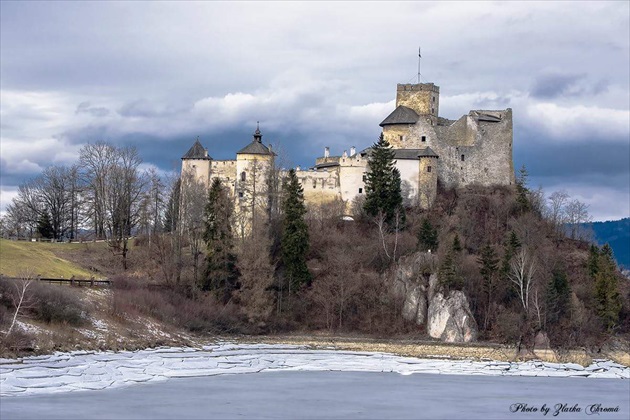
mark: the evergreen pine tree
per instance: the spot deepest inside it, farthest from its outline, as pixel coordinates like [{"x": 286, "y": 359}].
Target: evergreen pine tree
[
  {"x": 448, "y": 276},
  {"x": 45, "y": 227},
  {"x": 522, "y": 192},
  {"x": 489, "y": 263},
  {"x": 221, "y": 273},
  {"x": 295, "y": 239},
  {"x": 607, "y": 289},
  {"x": 558, "y": 298},
  {"x": 457, "y": 245},
  {"x": 382, "y": 186},
  {"x": 593, "y": 260},
  {"x": 427, "y": 237},
  {"x": 511, "y": 246}
]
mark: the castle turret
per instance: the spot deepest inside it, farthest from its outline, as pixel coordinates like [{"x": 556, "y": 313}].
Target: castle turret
[
  {"x": 427, "y": 177},
  {"x": 197, "y": 162},
  {"x": 424, "y": 98}
]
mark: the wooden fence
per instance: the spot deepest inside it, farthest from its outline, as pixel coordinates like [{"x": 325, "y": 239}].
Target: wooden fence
[{"x": 70, "y": 281}]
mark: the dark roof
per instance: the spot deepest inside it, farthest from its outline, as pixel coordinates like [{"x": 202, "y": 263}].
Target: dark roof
[
  {"x": 488, "y": 118},
  {"x": 255, "y": 148},
  {"x": 197, "y": 151},
  {"x": 409, "y": 154},
  {"x": 414, "y": 153},
  {"x": 401, "y": 115},
  {"x": 427, "y": 152},
  {"x": 327, "y": 165}
]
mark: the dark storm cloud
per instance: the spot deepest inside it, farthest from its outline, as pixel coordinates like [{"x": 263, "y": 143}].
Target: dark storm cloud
[
  {"x": 553, "y": 85},
  {"x": 546, "y": 156},
  {"x": 85, "y": 107},
  {"x": 150, "y": 109},
  {"x": 158, "y": 74}
]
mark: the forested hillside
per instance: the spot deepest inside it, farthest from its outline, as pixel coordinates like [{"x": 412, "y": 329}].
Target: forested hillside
[
  {"x": 174, "y": 255},
  {"x": 616, "y": 233}
]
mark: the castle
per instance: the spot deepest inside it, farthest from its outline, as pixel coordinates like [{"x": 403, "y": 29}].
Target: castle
[{"x": 475, "y": 149}]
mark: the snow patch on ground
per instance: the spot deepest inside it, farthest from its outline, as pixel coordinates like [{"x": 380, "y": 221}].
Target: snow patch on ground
[{"x": 89, "y": 370}]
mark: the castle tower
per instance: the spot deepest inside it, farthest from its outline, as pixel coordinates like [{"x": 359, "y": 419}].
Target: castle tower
[
  {"x": 423, "y": 98},
  {"x": 427, "y": 178},
  {"x": 197, "y": 162},
  {"x": 253, "y": 163}
]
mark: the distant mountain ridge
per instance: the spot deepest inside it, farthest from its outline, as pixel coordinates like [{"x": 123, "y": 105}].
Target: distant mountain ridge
[{"x": 617, "y": 234}]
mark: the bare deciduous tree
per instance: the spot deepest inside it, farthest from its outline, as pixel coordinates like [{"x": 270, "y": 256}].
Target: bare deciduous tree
[
  {"x": 522, "y": 271},
  {"x": 556, "y": 211},
  {"x": 577, "y": 213},
  {"x": 20, "y": 299},
  {"x": 192, "y": 200}
]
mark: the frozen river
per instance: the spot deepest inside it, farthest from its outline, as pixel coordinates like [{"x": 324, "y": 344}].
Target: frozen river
[
  {"x": 333, "y": 395},
  {"x": 280, "y": 381}
]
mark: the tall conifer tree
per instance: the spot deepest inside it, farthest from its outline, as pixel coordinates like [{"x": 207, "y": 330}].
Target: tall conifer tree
[
  {"x": 295, "y": 239},
  {"x": 221, "y": 273},
  {"x": 607, "y": 288},
  {"x": 382, "y": 187}
]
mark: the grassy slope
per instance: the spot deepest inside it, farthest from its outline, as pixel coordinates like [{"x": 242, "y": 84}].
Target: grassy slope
[{"x": 21, "y": 257}]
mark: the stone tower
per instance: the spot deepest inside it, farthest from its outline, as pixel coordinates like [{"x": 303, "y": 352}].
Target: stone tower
[{"x": 423, "y": 98}]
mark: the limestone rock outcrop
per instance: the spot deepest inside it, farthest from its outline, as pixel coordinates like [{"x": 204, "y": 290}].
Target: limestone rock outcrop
[{"x": 450, "y": 319}]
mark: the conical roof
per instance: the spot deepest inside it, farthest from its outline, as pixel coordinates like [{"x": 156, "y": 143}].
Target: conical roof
[
  {"x": 197, "y": 151},
  {"x": 401, "y": 115},
  {"x": 256, "y": 147}
]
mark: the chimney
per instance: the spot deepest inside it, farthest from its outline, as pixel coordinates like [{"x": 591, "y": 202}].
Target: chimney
[
  {"x": 353, "y": 151},
  {"x": 326, "y": 152}
]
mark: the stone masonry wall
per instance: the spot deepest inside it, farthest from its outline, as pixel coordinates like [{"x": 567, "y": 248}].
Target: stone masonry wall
[{"x": 423, "y": 98}]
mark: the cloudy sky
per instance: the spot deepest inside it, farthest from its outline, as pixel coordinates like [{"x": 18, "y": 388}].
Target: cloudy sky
[{"x": 158, "y": 74}]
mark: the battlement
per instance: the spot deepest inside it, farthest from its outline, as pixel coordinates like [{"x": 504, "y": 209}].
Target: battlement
[
  {"x": 417, "y": 87},
  {"x": 423, "y": 98}
]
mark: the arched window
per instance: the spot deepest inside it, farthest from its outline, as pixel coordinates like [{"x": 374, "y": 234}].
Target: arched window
[{"x": 243, "y": 176}]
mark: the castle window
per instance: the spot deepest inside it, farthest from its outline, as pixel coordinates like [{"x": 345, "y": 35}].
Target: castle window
[
  {"x": 194, "y": 166},
  {"x": 243, "y": 176},
  {"x": 360, "y": 190},
  {"x": 401, "y": 138},
  {"x": 240, "y": 194},
  {"x": 314, "y": 183},
  {"x": 428, "y": 169},
  {"x": 432, "y": 110},
  {"x": 462, "y": 158},
  {"x": 434, "y": 99},
  {"x": 364, "y": 178},
  {"x": 424, "y": 138}
]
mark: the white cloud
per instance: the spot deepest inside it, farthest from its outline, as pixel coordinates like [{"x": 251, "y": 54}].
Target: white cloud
[
  {"x": 6, "y": 196},
  {"x": 569, "y": 123}
]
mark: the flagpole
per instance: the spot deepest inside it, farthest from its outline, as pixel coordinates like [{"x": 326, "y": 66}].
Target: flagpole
[{"x": 419, "y": 57}]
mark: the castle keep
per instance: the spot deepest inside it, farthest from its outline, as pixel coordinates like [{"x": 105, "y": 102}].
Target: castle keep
[{"x": 475, "y": 149}]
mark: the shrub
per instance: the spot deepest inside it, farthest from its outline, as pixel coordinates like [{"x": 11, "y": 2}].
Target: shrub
[{"x": 57, "y": 304}]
